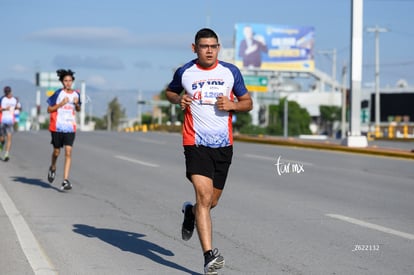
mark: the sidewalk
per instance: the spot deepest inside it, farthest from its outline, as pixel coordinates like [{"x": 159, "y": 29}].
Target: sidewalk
[{"x": 399, "y": 149}]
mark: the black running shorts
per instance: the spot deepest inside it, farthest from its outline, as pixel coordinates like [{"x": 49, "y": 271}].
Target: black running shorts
[
  {"x": 210, "y": 162},
  {"x": 6, "y": 129},
  {"x": 62, "y": 139}
]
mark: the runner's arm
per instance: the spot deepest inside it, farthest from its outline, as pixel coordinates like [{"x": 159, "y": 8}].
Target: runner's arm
[
  {"x": 244, "y": 103},
  {"x": 184, "y": 100}
]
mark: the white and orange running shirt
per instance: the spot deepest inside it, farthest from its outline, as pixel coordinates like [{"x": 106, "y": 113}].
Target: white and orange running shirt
[
  {"x": 7, "y": 116},
  {"x": 64, "y": 119},
  {"x": 204, "y": 124}
]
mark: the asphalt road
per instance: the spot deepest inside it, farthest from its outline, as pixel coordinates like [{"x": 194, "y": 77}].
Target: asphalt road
[{"x": 284, "y": 210}]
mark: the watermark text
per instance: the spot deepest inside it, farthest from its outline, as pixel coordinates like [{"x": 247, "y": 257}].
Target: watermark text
[{"x": 288, "y": 167}]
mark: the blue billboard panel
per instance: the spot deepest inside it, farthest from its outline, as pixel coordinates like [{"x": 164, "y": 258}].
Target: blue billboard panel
[{"x": 274, "y": 47}]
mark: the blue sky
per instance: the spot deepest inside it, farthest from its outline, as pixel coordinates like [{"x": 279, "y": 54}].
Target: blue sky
[{"x": 122, "y": 44}]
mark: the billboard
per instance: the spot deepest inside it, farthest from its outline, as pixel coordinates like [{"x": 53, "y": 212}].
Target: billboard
[
  {"x": 274, "y": 47},
  {"x": 393, "y": 105}
]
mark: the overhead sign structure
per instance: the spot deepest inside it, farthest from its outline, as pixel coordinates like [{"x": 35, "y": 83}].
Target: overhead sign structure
[
  {"x": 159, "y": 103},
  {"x": 256, "y": 83},
  {"x": 274, "y": 47},
  {"x": 50, "y": 81}
]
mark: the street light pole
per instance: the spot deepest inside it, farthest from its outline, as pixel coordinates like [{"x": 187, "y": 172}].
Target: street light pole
[
  {"x": 333, "y": 69},
  {"x": 139, "y": 108},
  {"x": 333, "y": 53},
  {"x": 344, "y": 106},
  {"x": 377, "y": 30},
  {"x": 82, "y": 111},
  {"x": 285, "y": 117},
  {"x": 355, "y": 139}
]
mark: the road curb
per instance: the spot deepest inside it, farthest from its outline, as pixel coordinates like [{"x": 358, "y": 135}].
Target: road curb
[{"x": 326, "y": 145}]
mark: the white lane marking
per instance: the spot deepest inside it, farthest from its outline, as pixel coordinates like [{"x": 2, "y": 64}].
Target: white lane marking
[
  {"x": 275, "y": 159},
  {"x": 138, "y": 161},
  {"x": 38, "y": 260},
  {"x": 372, "y": 226}
]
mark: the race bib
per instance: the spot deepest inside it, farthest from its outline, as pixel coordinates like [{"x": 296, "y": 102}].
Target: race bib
[
  {"x": 67, "y": 116},
  {"x": 209, "y": 93}
]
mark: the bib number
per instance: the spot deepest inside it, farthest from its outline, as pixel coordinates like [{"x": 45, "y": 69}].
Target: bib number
[{"x": 209, "y": 93}]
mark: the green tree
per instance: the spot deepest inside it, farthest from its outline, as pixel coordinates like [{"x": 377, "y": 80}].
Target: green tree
[
  {"x": 114, "y": 115},
  {"x": 179, "y": 114},
  {"x": 100, "y": 123},
  {"x": 275, "y": 121},
  {"x": 329, "y": 114},
  {"x": 298, "y": 119},
  {"x": 243, "y": 120},
  {"x": 147, "y": 119}
]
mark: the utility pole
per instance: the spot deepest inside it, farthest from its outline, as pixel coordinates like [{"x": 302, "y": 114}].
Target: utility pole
[
  {"x": 333, "y": 53},
  {"x": 109, "y": 118},
  {"x": 333, "y": 69},
  {"x": 343, "y": 115},
  {"x": 38, "y": 109},
  {"x": 355, "y": 139},
  {"x": 82, "y": 111},
  {"x": 140, "y": 102},
  {"x": 377, "y": 30},
  {"x": 285, "y": 118}
]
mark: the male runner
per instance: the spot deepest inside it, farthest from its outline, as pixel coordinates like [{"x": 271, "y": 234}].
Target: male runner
[{"x": 210, "y": 88}]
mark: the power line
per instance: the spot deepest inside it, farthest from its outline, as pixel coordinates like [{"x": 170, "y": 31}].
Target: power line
[
  {"x": 393, "y": 64},
  {"x": 393, "y": 1},
  {"x": 402, "y": 33}
]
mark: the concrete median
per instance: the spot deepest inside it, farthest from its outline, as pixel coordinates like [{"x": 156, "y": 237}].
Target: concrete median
[{"x": 326, "y": 145}]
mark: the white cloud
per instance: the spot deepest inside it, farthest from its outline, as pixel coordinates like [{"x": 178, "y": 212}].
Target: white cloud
[
  {"x": 84, "y": 36},
  {"x": 108, "y": 38},
  {"x": 77, "y": 61},
  {"x": 18, "y": 68},
  {"x": 97, "y": 81},
  {"x": 143, "y": 64}
]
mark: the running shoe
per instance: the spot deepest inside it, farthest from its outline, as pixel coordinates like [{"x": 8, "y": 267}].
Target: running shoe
[
  {"x": 215, "y": 261},
  {"x": 187, "y": 227},
  {"x": 6, "y": 157},
  {"x": 51, "y": 174},
  {"x": 66, "y": 185}
]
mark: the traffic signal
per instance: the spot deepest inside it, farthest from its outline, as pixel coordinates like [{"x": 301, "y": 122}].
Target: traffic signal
[
  {"x": 364, "y": 104},
  {"x": 37, "y": 79}
]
